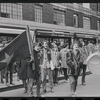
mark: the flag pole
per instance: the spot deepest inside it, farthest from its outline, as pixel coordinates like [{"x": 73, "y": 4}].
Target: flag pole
[
  {"x": 30, "y": 48},
  {"x": 27, "y": 32}
]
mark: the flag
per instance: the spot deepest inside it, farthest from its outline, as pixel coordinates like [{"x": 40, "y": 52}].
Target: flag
[{"x": 16, "y": 50}]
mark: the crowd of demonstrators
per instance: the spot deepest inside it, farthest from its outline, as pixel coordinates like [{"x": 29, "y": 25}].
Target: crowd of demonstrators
[{"x": 51, "y": 58}]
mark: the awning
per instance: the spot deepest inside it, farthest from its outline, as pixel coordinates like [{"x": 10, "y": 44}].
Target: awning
[
  {"x": 10, "y": 31},
  {"x": 53, "y": 33}
]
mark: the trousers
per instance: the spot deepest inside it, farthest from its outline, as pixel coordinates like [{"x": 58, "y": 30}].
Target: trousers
[
  {"x": 45, "y": 72},
  {"x": 30, "y": 86},
  {"x": 25, "y": 84},
  {"x": 55, "y": 75},
  {"x": 65, "y": 73},
  {"x": 84, "y": 73},
  {"x": 73, "y": 83}
]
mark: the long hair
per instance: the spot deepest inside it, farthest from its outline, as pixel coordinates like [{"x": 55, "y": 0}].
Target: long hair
[{"x": 75, "y": 42}]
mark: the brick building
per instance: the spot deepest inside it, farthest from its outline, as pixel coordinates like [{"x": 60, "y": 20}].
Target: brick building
[{"x": 50, "y": 20}]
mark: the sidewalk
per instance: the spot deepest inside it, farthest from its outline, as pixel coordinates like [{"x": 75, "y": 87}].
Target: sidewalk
[{"x": 18, "y": 84}]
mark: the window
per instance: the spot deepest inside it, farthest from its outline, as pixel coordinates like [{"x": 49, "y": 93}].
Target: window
[
  {"x": 11, "y": 10},
  {"x": 86, "y": 22},
  {"x": 75, "y": 20},
  {"x": 59, "y": 17},
  {"x": 38, "y": 13},
  {"x": 98, "y": 25},
  {"x": 86, "y": 5}
]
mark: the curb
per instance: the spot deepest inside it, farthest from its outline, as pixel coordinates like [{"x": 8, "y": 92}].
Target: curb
[{"x": 21, "y": 85}]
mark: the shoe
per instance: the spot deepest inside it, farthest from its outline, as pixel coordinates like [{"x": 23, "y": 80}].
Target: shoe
[
  {"x": 12, "y": 83},
  {"x": 74, "y": 94},
  {"x": 84, "y": 83},
  {"x": 52, "y": 90},
  {"x": 44, "y": 91},
  {"x": 56, "y": 83}
]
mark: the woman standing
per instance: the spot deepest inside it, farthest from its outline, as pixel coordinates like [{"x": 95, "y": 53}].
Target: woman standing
[{"x": 74, "y": 60}]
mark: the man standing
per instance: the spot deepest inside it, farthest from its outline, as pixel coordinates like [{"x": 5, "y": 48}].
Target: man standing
[
  {"x": 55, "y": 61},
  {"x": 35, "y": 74},
  {"x": 46, "y": 68},
  {"x": 85, "y": 55},
  {"x": 63, "y": 60}
]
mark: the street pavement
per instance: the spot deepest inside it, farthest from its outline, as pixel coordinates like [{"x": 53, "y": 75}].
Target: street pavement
[{"x": 92, "y": 89}]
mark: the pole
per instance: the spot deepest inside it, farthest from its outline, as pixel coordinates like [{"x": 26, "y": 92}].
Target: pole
[{"x": 30, "y": 45}]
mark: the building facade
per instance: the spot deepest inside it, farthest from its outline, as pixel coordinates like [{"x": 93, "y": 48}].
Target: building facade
[{"x": 79, "y": 18}]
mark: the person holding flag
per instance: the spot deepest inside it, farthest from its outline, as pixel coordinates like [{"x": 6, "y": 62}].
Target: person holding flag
[
  {"x": 34, "y": 74},
  {"x": 34, "y": 71}
]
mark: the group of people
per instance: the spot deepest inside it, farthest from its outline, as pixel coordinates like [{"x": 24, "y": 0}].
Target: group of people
[{"x": 48, "y": 59}]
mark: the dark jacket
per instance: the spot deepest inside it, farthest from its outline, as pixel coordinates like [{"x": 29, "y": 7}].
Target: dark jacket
[
  {"x": 26, "y": 70},
  {"x": 37, "y": 64},
  {"x": 73, "y": 62}
]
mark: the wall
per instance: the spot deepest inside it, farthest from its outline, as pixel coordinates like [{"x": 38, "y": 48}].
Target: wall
[
  {"x": 28, "y": 11},
  {"x": 47, "y": 13}
]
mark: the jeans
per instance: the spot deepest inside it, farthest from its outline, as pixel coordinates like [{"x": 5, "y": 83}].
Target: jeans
[
  {"x": 47, "y": 71},
  {"x": 84, "y": 73},
  {"x": 55, "y": 75},
  {"x": 65, "y": 73},
  {"x": 25, "y": 84},
  {"x": 73, "y": 83},
  {"x": 30, "y": 86}
]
